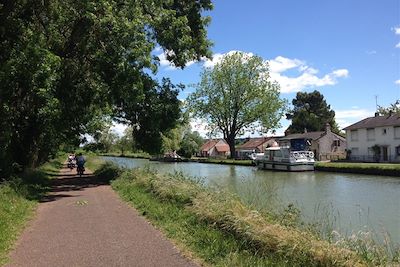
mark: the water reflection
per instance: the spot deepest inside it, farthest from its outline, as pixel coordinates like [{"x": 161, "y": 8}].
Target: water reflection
[{"x": 346, "y": 202}]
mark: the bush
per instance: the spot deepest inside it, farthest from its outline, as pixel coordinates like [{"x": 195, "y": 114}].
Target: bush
[{"x": 108, "y": 171}]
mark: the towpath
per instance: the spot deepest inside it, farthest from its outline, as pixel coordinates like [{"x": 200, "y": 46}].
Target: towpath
[{"x": 83, "y": 222}]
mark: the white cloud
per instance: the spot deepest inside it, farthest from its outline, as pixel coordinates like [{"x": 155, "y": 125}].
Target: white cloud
[
  {"x": 397, "y": 32},
  {"x": 340, "y": 73},
  {"x": 371, "y": 52},
  {"x": 345, "y": 118},
  {"x": 307, "y": 77},
  {"x": 397, "y": 82},
  {"x": 281, "y": 64}
]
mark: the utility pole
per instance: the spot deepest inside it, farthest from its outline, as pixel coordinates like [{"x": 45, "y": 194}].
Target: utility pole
[{"x": 376, "y": 102}]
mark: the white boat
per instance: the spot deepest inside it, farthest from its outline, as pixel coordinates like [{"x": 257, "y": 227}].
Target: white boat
[{"x": 283, "y": 159}]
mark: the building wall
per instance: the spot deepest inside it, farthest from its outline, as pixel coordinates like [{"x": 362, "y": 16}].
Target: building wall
[
  {"x": 328, "y": 150},
  {"x": 214, "y": 153},
  {"x": 361, "y": 146}
]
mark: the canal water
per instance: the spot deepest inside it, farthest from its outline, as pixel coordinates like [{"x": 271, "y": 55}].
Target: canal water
[{"x": 347, "y": 203}]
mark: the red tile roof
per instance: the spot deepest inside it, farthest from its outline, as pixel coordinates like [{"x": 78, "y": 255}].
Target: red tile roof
[
  {"x": 208, "y": 145},
  {"x": 224, "y": 147},
  {"x": 254, "y": 142}
]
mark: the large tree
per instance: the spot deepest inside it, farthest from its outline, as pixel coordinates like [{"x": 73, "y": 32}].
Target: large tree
[
  {"x": 65, "y": 63},
  {"x": 237, "y": 95},
  {"x": 311, "y": 112}
]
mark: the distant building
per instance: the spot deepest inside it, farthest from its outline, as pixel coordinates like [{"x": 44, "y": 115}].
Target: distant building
[
  {"x": 326, "y": 145},
  {"x": 254, "y": 145},
  {"x": 374, "y": 139},
  {"x": 215, "y": 148}
]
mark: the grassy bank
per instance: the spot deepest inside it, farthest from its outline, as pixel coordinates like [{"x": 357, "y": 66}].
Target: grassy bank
[
  {"x": 362, "y": 168},
  {"x": 127, "y": 155},
  {"x": 19, "y": 197},
  {"x": 217, "y": 228},
  {"x": 224, "y": 161}
]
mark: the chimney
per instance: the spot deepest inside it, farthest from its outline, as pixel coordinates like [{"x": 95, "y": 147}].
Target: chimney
[
  {"x": 390, "y": 113},
  {"x": 376, "y": 114},
  {"x": 327, "y": 128},
  {"x": 305, "y": 130}
]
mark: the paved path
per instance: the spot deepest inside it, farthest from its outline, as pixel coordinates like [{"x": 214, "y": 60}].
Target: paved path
[{"x": 82, "y": 222}]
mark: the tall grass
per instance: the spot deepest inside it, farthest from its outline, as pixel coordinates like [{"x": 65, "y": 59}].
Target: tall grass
[
  {"x": 19, "y": 196},
  {"x": 262, "y": 235}
]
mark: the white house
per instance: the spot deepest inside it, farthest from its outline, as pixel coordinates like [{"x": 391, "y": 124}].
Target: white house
[{"x": 374, "y": 139}]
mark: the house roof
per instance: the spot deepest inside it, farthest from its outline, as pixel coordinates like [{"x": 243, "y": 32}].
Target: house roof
[
  {"x": 214, "y": 143},
  {"x": 308, "y": 135},
  {"x": 254, "y": 143},
  {"x": 208, "y": 145},
  {"x": 378, "y": 121},
  {"x": 222, "y": 147}
]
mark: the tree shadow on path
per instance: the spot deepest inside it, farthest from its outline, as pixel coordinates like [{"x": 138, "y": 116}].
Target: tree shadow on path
[{"x": 63, "y": 185}]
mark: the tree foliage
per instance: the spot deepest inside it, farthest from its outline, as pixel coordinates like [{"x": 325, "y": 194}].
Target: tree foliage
[
  {"x": 311, "y": 112},
  {"x": 126, "y": 142},
  {"x": 65, "y": 64},
  {"x": 392, "y": 109},
  {"x": 237, "y": 95},
  {"x": 190, "y": 143}
]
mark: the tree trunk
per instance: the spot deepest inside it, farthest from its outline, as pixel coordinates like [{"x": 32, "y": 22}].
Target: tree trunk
[{"x": 231, "y": 142}]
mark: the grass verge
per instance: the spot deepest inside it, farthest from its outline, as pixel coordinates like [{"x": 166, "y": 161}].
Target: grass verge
[
  {"x": 217, "y": 228},
  {"x": 19, "y": 197},
  {"x": 224, "y": 161},
  {"x": 362, "y": 168}
]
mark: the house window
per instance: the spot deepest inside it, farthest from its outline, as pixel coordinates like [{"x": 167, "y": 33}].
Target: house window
[
  {"x": 370, "y": 134},
  {"x": 383, "y": 131},
  {"x": 398, "y": 150},
  {"x": 336, "y": 143},
  {"x": 397, "y": 132},
  {"x": 354, "y": 135}
]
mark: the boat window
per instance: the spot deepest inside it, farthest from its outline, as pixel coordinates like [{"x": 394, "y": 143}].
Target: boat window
[
  {"x": 278, "y": 153},
  {"x": 285, "y": 153}
]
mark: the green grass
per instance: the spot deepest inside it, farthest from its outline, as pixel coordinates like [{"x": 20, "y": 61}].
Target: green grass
[
  {"x": 363, "y": 168},
  {"x": 225, "y": 161},
  {"x": 194, "y": 237},
  {"x": 217, "y": 228},
  {"x": 19, "y": 197}
]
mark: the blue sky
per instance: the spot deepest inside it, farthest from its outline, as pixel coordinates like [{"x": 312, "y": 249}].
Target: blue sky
[{"x": 346, "y": 49}]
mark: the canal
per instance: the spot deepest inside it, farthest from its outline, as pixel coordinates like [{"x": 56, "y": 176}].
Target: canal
[{"x": 347, "y": 203}]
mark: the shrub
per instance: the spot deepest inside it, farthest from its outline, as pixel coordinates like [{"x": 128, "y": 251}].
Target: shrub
[{"x": 108, "y": 171}]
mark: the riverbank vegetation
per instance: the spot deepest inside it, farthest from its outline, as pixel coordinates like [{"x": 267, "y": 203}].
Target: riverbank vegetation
[
  {"x": 388, "y": 169},
  {"x": 241, "y": 162},
  {"x": 19, "y": 197},
  {"x": 218, "y": 228}
]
